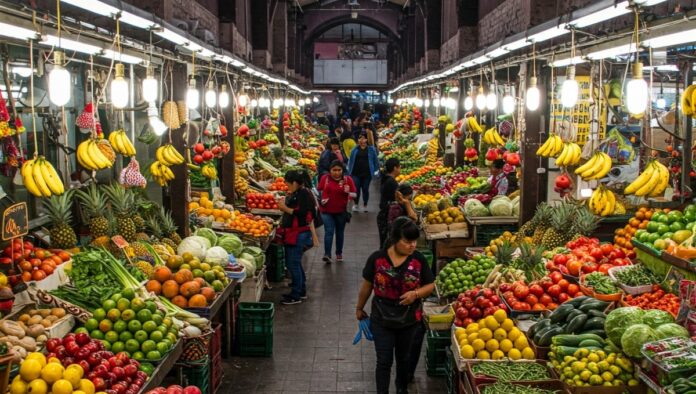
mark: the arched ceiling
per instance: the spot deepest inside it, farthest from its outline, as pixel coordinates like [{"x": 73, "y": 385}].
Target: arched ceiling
[{"x": 327, "y": 2}]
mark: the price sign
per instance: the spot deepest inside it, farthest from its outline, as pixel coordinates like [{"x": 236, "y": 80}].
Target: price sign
[
  {"x": 120, "y": 241},
  {"x": 15, "y": 221}
]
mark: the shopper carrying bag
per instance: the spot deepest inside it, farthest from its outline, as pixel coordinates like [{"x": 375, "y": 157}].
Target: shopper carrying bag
[
  {"x": 336, "y": 191},
  {"x": 400, "y": 277}
]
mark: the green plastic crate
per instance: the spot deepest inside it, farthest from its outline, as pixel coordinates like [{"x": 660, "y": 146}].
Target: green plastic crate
[
  {"x": 451, "y": 372},
  {"x": 197, "y": 374},
  {"x": 275, "y": 261},
  {"x": 255, "y": 329},
  {"x": 436, "y": 345},
  {"x": 255, "y": 345},
  {"x": 428, "y": 254},
  {"x": 439, "y": 339}
]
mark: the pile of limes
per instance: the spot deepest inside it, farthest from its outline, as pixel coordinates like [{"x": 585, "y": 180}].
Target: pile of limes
[
  {"x": 493, "y": 338},
  {"x": 461, "y": 275}
]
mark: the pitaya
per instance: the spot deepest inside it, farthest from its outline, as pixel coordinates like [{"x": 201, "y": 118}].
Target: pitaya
[
  {"x": 86, "y": 119},
  {"x": 131, "y": 176}
]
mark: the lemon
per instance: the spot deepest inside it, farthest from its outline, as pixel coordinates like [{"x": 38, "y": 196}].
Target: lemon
[
  {"x": 528, "y": 353},
  {"x": 52, "y": 372},
  {"x": 38, "y": 357},
  {"x": 492, "y": 323},
  {"x": 492, "y": 345},
  {"x": 481, "y": 324},
  {"x": 73, "y": 374},
  {"x": 467, "y": 351},
  {"x": 632, "y": 382},
  {"x": 521, "y": 342},
  {"x": 506, "y": 345},
  {"x": 585, "y": 375},
  {"x": 607, "y": 376},
  {"x": 18, "y": 386},
  {"x": 459, "y": 334},
  {"x": 514, "y": 333},
  {"x": 54, "y": 360},
  {"x": 483, "y": 355},
  {"x": 473, "y": 336},
  {"x": 497, "y": 355},
  {"x": 78, "y": 392},
  {"x": 463, "y": 342},
  {"x": 37, "y": 387},
  {"x": 594, "y": 357},
  {"x": 30, "y": 370},
  {"x": 507, "y": 324},
  {"x": 616, "y": 371},
  {"x": 478, "y": 344},
  {"x": 62, "y": 386},
  {"x": 499, "y": 334},
  {"x": 472, "y": 328},
  {"x": 500, "y": 316},
  {"x": 485, "y": 334},
  {"x": 86, "y": 386}
]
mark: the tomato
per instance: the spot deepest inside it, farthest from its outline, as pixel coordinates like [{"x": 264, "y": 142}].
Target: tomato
[
  {"x": 531, "y": 299},
  {"x": 551, "y": 306},
  {"x": 606, "y": 249},
  {"x": 589, "y": 267},
  {"x": 574, "y": 267},
  {"x": 560, "y": 259},
  {"x": 546, "y": 283},
  {"x": 538, "y": 307},
  {"x": 573, "y": 289},
  {"x": 563, "y": 297},
  {"x": 564, "y": 284},
  {"x": 48, "y": 269},
  {"x": 545, "y": 299},
  {"x": 523, "y": 306},
  {"x": 536, "y": 290},
  {"x": 554, "y": 290},
  {"x": 555, "y": 277},
  {"x": 596, "y": 253},
  {"x": 604, "y": 268},
  {"x": 621, "y": 261},
  {"x": 521, "y": 291},
  {"x": 26, "y": 276},
  {"x": 38, "y": 275}
]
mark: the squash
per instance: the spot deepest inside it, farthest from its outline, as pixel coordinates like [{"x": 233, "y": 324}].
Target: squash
[
  {"x": 36, "y": 330},
  {"x": 13, "y": 328}
]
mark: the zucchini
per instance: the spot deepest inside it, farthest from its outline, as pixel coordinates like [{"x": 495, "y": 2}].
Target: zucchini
[
  {"x": 593, "y": 305},
  {"x": 573, "y": 314},
  {"x": 590, "y": 343},
  {"x": 576, "y": 324},
  {"x": 543, "y": 323},
  {"x": 577, "y": 301},
  {"x": 545, "y": 339},
  {"x": 595, "y": 323},
  {"x": 560, "y": 313},
  {"x": 539, "y": 333},
  {"x": 595, "y": 313},
  {"x": 574, "y": 340},
  {"x": 597, "y": 332},
  {"x": 562, "y": 351}
]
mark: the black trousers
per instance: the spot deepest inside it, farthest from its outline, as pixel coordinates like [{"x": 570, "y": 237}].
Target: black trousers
[
  {"x": 416, "y": 347},
  {"x": 392, "y": 344},
  {"x": 382, "y": 227}
]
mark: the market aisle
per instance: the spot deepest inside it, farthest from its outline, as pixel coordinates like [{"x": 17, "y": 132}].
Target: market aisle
[{"x": 313, "y": 350}]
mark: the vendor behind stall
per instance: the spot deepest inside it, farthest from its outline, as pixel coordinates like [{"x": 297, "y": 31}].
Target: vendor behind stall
[{"x": 498, "y": 179}]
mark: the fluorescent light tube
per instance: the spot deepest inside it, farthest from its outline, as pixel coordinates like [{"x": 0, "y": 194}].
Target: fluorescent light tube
[
  {"x": 170, "y": 35},
  {"x": 70, "y": 45},
  {"x": 601, "y": 16},
  {"x": 95, "y": 6},
  {"x": 612, "y": 52},
  {"x": 521, "y": 43},
  {"x": 109, "y": 54},
  {"x": 682, "y": 37},
  {"x": 497, "y": 52},
  {"x": 549, "y": 34},
  {"x": 7, "y": 30},
  {"x": 568, "y": 61}
]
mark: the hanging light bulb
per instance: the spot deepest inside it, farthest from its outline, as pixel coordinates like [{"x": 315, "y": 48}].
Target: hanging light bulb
[
  {"x": 480, "y": 99},
  {"x": 661, "y": 103},
  {"x": 277, "y": 103},
  {"x": 224, "y": 97},
  {"x": 570, "y": 89},
  {"x": 307, "y": 101},
  {"x": 59, "y": 81},
  {"x": 211, "y": 95},
  {"x": 434, "y": 102},
  {"x": 468, "y": 103},
  {"x": 508, "y": 102},
  {"x": 418, "y": 102},
  {"x": 637, "y": 91},
  {"x": 119, "y": 87},
  {"x": 492, "y": 99},
  {"x": 193, "y": 96},
  {"x": 243, "y": 99},
  {"x": 451, "y": 103},
  {"x": 150, "y": 90},
  {"x": 254, "y": 103},
  {"x": 532, "y": 98},
  {"x": 315, "y": 99},
  {"x": 158, "y": 127},
  {"x": 300, "y": 102}
]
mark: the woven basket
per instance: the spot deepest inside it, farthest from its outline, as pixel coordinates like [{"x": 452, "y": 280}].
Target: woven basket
[{"x": 196, "y": 348}]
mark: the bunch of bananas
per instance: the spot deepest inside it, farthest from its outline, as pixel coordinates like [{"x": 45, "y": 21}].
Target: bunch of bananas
[
  {"x": 91, "y": 157},
  {"x": 431, "y": 155},
  {"x": 651, "y": 182},
  {"x": 492, "y": 137},
  {"x": 570, "y": 155},
  {"x": 121, "y": 144},
  {"x": 688, "y": 101},
  {"x": 596, "y": 168},
  {"x": 168, "y": 155},
  {"x": 241, "y": 186},
  {"x": 603, "y": 202},
  {"x": 161, "y": 172},
  {"x": 552, "y": 147},
  {"x": 473, "y": 125},
  {"x": 40, "y": 178},
  {"x": 209, "y": 171}
]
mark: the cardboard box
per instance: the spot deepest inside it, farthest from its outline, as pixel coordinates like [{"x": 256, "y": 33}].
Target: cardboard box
[
  {"x": 446, "y": 231},
  {"x": 452, "y": 247}
]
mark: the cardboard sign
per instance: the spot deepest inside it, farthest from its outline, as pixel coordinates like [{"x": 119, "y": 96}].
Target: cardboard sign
[
  {"x": 120, "y": 241},
  {"x": 15, "y": 221}
]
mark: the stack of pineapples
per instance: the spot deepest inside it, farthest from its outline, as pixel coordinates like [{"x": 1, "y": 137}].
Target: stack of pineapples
[{"x": 554, "y": 226}]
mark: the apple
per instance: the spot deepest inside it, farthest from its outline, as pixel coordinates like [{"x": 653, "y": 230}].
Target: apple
[
  {"x": 82, "y": 339},
  {"x": 475, "y": 313},
  {"x": 130, "y": 370},
  {"x": 85, "y": 366},
  {"x": 99, "y": 384},
  {"x": 175, "y": 389},
  {"x": 192, "y": 390},
  {"x": 52, "y": 344},
  {"x": 199, "y": 148},
  {"x": 462, "y": 313},
  {"x": 207, "y": 155},
  {"x": 198, "y": 159},
  {"x": 119, "y": 372}
]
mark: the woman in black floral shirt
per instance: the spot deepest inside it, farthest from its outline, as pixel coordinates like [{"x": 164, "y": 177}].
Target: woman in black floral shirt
[{"x": 400, "y": 278}]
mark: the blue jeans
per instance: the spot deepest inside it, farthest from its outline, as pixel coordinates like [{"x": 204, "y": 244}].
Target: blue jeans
[
  {"x": 293, "y": 260},
  {"x": 392, "y": 344},
  {"x": 333, "y": 223},
  {"x": 362, "y": 184}
]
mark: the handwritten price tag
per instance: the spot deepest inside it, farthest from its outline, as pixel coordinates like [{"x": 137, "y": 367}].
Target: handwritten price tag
[
  {"x": 15, "y": 221},
  {"x": 120, "y": 241}
]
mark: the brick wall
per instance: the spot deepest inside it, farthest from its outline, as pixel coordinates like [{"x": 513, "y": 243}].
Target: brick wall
[
  {"x": 460, "y": 45},
  {"x": 184, "y": 10},
  {"x": 508, "y": 18}
]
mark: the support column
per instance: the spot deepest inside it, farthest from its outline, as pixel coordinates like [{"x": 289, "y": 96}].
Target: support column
[
  {"x": 279, "y": 56},
  {"x": 688, "y": 137},
  {"x": 180, "y": 185},
  {"x": 227, "y": 163},
  {"x": 260, "y": 33},
  {"x": 433, "y": 31},
  {"x": 291, "y": 43},
  {"x": 442, "y": 133},
  {"x": 459, "y": 142}
]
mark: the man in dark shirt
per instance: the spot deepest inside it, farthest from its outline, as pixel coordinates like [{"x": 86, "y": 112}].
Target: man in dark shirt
[{"x": 388, "y": 189}]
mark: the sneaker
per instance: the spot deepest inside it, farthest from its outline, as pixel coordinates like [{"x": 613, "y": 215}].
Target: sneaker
[
  {"x": 355, "y": 208},
  {"x": 303, "y": 297},
  {"x": 339, "y": 258},
  {"x": 365, "y": 208},
  {"x": 290, "y": 301},
  {"x": 326, "y": 259}
]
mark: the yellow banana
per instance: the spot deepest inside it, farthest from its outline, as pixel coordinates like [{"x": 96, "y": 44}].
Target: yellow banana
[
  {"x": 576, "y": 152},
  {"x": 604, "y": 168},
  {"x": 542, "y": 149},
  {"x": 130, "y": 149},
  {"x": 648, "y": 186},
  {"x": 155, "y": 169},
  {"x": 686, "y": 102},
  {"x": 610, "y": 203},
  {"x": 474, "y": 124},
  {"x": 664, "y": 180},
  {"x": 99, "y": 158},
  {"x": 51, "y": 178},
  {"x": 170, "y": 156},
  {"x": 168, "y": 173},
  {"x": 38, "y": 178},
  {"x": 84, "y": 157},
  {"x": 641, "y": 180},
  {"x": 176, "y": 154},
  {"x": 29, "y": 183},
  {"x": 588, "y": 164},
  {"x": 592, "y": 202},
  {"x": 116, "y": 143},
  {"x": 159, "y": 153}
]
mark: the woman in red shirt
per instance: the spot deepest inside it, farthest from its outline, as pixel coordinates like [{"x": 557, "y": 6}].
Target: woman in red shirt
[{"x": 336, "y": 190}]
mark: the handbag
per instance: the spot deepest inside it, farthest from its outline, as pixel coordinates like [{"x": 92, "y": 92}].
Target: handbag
[{"x": 391, "y": 314}]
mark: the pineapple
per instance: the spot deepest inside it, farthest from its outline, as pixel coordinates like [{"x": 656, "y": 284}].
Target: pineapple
[
  {"x": 503, "y": 253},
  {"x": 142, "y": 236},
  {"x": 94, "y": 206},
  {"x": 529, "y": 261},
  {"x": 169, "y": 228},
  {"x": 153, "y": 226},
  {"x": 584, "y": 223},
  {"x": 540, "y": 222},
  {"x": 145, "y": 268},
  {"x": 140, "y": 250},
  {"x": 122, "y": 203},
  {"x": 561, "y": 226},
  {"x": 59, "y": 210},
  {"x": 139, "y": 223}
]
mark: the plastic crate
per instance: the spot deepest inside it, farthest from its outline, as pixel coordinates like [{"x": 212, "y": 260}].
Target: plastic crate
[
  {"x": 216, "y": 372},
  {"x": 429, "y": 257},
  {"x": 275, "y": 262},
  {"x": 196, "y": 374},
  {"x": 255, "y": 345},
  {"x": 436, "y": 354},
  {"x": 451, "y": 372},
  {"x": 439, "y": 339},
  {"x": 216, "y": 340},
  {"x": 486, "y": 233},
  {"x": 255, "y": 318}
]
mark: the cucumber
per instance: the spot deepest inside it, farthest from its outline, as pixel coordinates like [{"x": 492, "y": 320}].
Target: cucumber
[
  {"x": 595, "y": 323},
  {"x": 573, "y": 314},
  {"x": 593, "y": 305},
  {"x": 574, "y": 340},
  {"x": 562, "y": 351},
  {"x": 560, "y": 313},
  {"x": 545, "y": 340},
  {"x": 575, "y": 325},
  {"x": 542, "y": 332},
  {"x": 543, "y": 323},
  {"x": 597, "y": 332},
  {"x": 590, "y": 342},
  {"x": 577, "y": 301},
  {"x": 594, "y": 313}
]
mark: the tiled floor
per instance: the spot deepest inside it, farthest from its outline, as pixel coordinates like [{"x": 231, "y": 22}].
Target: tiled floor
[{"x": 313, "y": 350}]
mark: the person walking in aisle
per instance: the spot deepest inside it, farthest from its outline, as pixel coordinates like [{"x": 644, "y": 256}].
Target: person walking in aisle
[
  {"x": 336, "y": 190},
  {"x": 297, "y": 229},
  {"x": 329, "y": 155},
  {"x": 400, "y": 278},
  {"x": 388, "y": 188},
  {"x": 362, "y": 165}
]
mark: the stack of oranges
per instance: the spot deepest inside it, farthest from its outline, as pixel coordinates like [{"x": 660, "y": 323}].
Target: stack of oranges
[
  {"x": 623, "y": 236},
  {"x": 278, "y": 185},
  {"x": 248, "y": 224}
]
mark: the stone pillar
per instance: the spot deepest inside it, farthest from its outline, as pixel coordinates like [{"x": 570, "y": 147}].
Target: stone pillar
[
  {"x": 260, "y": 33},
  {"x": 292, "y": 42},
  {"x": 433, "y": 32},
  {"x": 279, "y": 52}
]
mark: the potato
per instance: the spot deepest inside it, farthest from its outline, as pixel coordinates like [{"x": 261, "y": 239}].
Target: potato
[
  {"x": 58, "y": 312},
  {"x": 44, "y": 312},
  {"x": 46, "y": 323},
  {"x": 33, "y": 312},
  {"x": 36, "y": 330},
  {"x": 13, "y": 328},
  {"x": 41, "y": 338},
  {"x": 51, "y": 318},
  {"x": 24, "y": 317},
  {"x": 34, "y": 320}
]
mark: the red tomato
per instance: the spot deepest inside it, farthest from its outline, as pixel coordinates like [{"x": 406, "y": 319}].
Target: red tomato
[
  {"x": 538, "y": 307},
  {"x": 597, "y": 253},
  {"x": 573, "y": 289},
  {"x": 574, "y": 267},
  {"x": 564, "y": 284},
  {"x": 589, "y": 267},
  {"x": 536, "y": 289},
  {"x": 521, "y": 291},
  {"x": 560, "y": 259},
  {"x": 554, "y": 290},
  {"x": 563, "y": 297},
  {"x": 555, "y": 277},
  {"x": 523, "y": 306},
  {"x": 545, "y": 299},
  {"x": 604, "y": 268},
  {"x": 531, "y": 299},
  {"x": 551, "y": 306},
  {"x": 607, "y": 248}
]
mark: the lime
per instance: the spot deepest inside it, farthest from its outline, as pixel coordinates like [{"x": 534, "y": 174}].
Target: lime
[
  {"x": 147, "y": 368},
  {"x": 118, "y": 347},
  {"x": 99, "y": 314},
  {"x": 156, "y": 336},
  {"x": 128, "y": 315},
  {"x": 111, "y": 336},
  {"x": 167, "y": 322},
  {"x": 660, "y": 244},
  {"x": 197, "y": 273},
  {"x": 218, "y": 286},
  {"x": 134, "y": 326},
  {"x": 162, "y": 347},
  {"x": 123, "y": 304},
  {"x": 96, "y": 334},
  {"x": 109, "y": 304},
  {"x": 137, "y": 304},
  {"x": 116, "y": 297},
  {"x": 132, "y": 346},
  {"x": 92, "y": 324},
  {"x": 667, "y": 235},
  {"x": 153, "y": 355},
  {"x": 209, "y": 276},
  {"x": 653, "y": 237},
  {"x": 662, "y": 228},
  {"x": 148, "y": 346},
  {"x": 125, "y": 336},
  {"x": 81, "y": 330},
  {"x": 151, "y": 306},
  {"x": 120, "y": 326},
  {"x": 128, "y": 294},
  {"x": 171, "y": 337},
  {"x": 149, "y": 326},
  {"x": 107, "y": 344},
  {"x": 113, "y": 315},
  {"x": 674, "y": 216},
  {"x": 676, "y": 226},
  {"x": 166, "y": 342},
  {"x": 144, "y": 315},
  {"x": 662, "y": 219},
  {"x": 158, "y": 319},
  {"x": 138, "y": 355},
  {"x": 141, "y": 336},
  {"x": 105, "y": 325}
]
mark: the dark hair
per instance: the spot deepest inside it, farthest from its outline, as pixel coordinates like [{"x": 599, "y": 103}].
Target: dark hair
[
  {"x": 362, "y": 135},
  {"x": 334, "y": 141},
  {"x": 405, "y": 189},
  {"x": 337, "y": 163},
  {"x": 391, "y": 164},
  {"x": 299, "y": 176},
  {"x": 498, "y": 164},
  {"x": 402, "y": 228}
]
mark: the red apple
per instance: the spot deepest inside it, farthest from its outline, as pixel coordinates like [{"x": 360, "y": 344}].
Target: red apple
[
  {"x": 199, "y": 148},
  {"x": 192, "y": 390}
]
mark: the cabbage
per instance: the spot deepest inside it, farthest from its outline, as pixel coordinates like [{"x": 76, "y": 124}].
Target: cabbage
[
  {"x": 207, "y": 233},
  {"x": 619, "y": 320},
  {"x": 248, "y": 257},
  {"x": 515, "y": 201},
  {"x": 231, "y": 243},
  {"x": 655, "y": 318},
  {"x": 249, "y": 267},
  {"x": 475, "y": 208},
  {"x": 671, "y": 330},
  {"x": 216, "y": 255},
  {"x": 516, "y": 208},
  {"x": 195, "y": 245},
  {"x": 635, "y": 337},
  {"x": 259, "y": 255},
  {"x": 501, "y": 207}
]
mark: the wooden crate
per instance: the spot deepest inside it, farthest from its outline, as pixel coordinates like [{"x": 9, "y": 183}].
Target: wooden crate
[{"x": 452, "y": 247}]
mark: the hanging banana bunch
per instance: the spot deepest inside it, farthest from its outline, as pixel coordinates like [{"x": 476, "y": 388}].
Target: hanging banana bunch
[
  {"x": 91, "y": 157},
  {"x": 688, "y": 101},
  {"x": 473, "y": 125},
  {"x": 40, "y": 178},
  {"x": 570, "y": 155},
  {"x": 652, "y": 182},
  {"x": 161, "y": 173},
  {"x": 209, "y": 171},
  {"x": 168, "y": 155},
  {"x": 493, "y": 138},
  {"x": 552, "y": 147},
  {"x": 603, "y": 202},
  {"x": 121, "y": 144},
  {"x": 597, "y": 167}
]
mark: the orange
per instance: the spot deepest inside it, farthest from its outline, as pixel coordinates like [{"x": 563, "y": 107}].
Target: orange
[
  {"x": 170, "y": 289},
  {"x": 183, "y": 276},
  {"x": 198, "y": 301},
  {"x": 154, "y": 286}
]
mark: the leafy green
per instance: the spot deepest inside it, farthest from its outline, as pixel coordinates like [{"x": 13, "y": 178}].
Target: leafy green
[
  {"x": 619, "y": 320},
  {"x": 635, "y": 337},
  {"x": 655, "y": 318},
  {"x": 671, "y": 330}
]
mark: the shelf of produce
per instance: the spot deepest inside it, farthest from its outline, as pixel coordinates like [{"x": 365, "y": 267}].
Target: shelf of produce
[
  {"x": 164, "y": 367},
  {"x": 664, "y": 262},
  {"x": 267, "y": 212},
  {"x": 222, "y": 298},
  {"x": 484, "y": 220}
]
